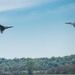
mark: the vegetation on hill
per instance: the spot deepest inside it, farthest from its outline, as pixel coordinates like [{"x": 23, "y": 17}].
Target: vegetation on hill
[{"x": 53, "y": 65}]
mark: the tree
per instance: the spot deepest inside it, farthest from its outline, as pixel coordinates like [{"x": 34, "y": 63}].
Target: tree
[{"x": 30, "y": 66}]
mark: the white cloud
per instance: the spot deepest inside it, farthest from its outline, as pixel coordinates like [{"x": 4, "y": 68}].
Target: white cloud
[{"x": 14, "y": 4}]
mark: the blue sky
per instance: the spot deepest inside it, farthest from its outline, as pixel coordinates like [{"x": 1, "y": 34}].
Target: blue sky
[{"x": 39, "y": 28}]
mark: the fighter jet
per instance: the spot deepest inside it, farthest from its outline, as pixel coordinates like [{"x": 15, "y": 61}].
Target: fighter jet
[
  {"x": 2, "y": 28},
  {"x": 71, "y": 23}
]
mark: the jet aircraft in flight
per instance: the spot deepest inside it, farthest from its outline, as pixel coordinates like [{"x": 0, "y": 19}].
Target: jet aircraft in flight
[
  {"x": 71, "y": 23},
  {"x": 2, "y": 28}
]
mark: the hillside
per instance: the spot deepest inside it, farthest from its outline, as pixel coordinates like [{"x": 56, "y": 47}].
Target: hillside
[{"x": 51, "y": 65}]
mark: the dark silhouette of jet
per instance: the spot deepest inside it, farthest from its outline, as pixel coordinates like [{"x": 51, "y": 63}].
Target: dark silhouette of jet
[
  {"x": 2, "y": 28},
  {"x": 71, "y": 23}
]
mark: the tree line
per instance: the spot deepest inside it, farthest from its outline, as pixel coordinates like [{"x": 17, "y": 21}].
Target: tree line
[{"x": 53, "y": 65}]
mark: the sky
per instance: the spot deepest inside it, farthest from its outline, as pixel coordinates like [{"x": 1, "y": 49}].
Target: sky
[{"x": 39, "y": 28}]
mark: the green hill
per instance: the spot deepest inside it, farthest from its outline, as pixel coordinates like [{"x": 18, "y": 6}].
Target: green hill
[{"x": 51, "y": 65}]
